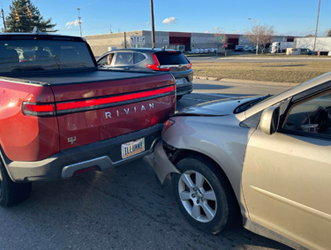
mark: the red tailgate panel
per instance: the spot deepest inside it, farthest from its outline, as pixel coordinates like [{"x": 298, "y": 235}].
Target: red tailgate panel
[
  {"x": 96, "y": 125},
  {"x": 79, "y": 127}
]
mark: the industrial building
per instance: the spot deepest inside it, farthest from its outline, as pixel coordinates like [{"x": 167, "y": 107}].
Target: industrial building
[{"x": 185, "y": 41}]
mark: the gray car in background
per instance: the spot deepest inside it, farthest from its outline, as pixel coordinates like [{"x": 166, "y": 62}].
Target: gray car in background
[{"x": 156, "y": 60}]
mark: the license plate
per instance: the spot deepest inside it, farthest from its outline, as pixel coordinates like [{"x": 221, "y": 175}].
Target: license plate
[
  {"x": 180, "y": 81},
  {"x": 133, "y": 147}
]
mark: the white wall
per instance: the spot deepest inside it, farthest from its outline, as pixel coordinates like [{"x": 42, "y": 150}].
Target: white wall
[{"x": 322, "y": 43}]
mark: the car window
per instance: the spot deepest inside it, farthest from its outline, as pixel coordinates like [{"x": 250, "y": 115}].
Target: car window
[
  {"x": 311, "y": 116},
  {"x": 138, "y": 57},
  {"x": 124, "y": 58},
  {"x": 103, "y": 60},
  {"x": 106, "y": 60},
  {"x": 21, "y": 55},
  {"x": 171, "y": 58}
]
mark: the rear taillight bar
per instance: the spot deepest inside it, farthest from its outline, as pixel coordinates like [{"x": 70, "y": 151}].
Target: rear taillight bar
[
  {"x": 94, "y": 103},
  {"x": 38, "y": 109},
  {"x": 49, "y": 109}
]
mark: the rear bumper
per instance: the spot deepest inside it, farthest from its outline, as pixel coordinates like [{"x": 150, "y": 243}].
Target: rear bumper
[
  {"x": 184, "y": 89},
  {"x": 102, "y": 155}
]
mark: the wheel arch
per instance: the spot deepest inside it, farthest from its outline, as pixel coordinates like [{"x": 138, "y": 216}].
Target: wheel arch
[{"x": 4, "y": 160}]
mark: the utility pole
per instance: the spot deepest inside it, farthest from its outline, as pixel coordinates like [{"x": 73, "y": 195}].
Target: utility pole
[
  {"x": 110, "y": 30},
  {"x": 318, "y": 16},
  {"x": 3, "y": 19},
  {"x": 153, "y": 29},
  {"x": 79, "y": 21},
  {"x": 124, "y": 40}
]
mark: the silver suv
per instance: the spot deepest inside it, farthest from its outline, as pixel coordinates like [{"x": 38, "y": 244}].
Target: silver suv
[{"x": 152, "y": 60}]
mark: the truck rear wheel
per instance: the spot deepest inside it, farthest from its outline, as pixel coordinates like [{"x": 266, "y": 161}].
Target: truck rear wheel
[{"x": 11, "y": 192}]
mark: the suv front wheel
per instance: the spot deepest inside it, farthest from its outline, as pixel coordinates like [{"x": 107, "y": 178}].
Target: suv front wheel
[{"x": 203, "y": 195}]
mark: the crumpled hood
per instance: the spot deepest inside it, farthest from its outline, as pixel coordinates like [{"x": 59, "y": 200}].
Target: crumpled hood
[{"x": 215, "y": 108}]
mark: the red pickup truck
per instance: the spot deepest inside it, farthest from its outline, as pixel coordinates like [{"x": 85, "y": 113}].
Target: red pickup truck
[{"x": 60, "y": 115}]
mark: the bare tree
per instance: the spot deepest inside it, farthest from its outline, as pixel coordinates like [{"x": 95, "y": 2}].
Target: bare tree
[
  {"x": 219, "y": 38},
  {"x": 328, "y": 32},
  {"x": 260, "y": 35}
]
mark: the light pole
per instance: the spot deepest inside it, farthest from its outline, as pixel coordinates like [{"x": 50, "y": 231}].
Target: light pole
[
  {"x": 258, "y": 34},
  {"x": 153, "y": 28},
  {"x": 79, "y": 22},
  {"x": 318, "y": 15}
]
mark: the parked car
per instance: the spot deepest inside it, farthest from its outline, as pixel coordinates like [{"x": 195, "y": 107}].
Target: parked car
[
  {"x": 61, "y": 115},
  {"x": 158, "y": 60},
  {"x": 268, "y": 157},
  {"x": 305, "y": 51},
  {"x": 212, "y": 50}
]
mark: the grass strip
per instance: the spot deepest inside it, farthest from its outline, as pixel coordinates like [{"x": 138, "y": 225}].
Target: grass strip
[{"x": 291, "y": 72}]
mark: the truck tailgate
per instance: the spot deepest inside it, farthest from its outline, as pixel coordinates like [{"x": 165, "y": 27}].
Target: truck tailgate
[{"x": 90, "y": 111}]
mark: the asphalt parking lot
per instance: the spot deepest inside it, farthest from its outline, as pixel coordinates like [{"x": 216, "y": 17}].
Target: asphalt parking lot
[{"x": 121, "y": 208}]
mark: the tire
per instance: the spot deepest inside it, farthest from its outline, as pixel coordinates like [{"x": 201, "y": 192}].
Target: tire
[
  {"x": 179, "y": 97},
  {"x": 11, "y": 192},
  {"x": 209, "y": 206}
]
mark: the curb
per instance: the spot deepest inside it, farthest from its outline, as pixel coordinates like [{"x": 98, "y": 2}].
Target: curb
[
  {"x": 272, "y": 58},
  {"x": 288, "y": 84}
]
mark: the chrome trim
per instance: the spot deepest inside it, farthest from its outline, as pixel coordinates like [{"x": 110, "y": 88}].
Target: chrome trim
[{"x": 175, "y": 66}]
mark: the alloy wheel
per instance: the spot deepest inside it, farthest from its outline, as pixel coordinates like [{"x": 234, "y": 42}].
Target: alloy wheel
[{"x": 197, "y": 196}]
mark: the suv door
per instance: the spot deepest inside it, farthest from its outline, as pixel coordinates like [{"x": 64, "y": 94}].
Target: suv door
[{"x": 286, "y": 176}]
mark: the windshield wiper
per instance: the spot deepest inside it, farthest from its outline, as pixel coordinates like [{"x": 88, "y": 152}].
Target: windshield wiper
[{"x": 250, "y": 104}]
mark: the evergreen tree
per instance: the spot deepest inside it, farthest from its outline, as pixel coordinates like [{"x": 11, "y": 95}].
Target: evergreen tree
[{"x": 27, "y": 21}]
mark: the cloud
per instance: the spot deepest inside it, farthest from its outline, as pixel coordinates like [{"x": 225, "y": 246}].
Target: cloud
[
  {"x": 73, "y": 23},
  {"x": 170, "y": 20},
  {"x": 206, "y": 31},
  {"x": 147, "y": 23}
]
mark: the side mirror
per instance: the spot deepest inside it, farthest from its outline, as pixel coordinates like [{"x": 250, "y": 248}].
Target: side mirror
[{"x": 270, "y": 120}]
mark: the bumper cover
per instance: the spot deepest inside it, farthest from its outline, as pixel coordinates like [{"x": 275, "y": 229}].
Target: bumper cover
[
  {"x": 184, "y": 89},
  {"x": 102, "y": 155},
  {"x": 162, "y": 165}
]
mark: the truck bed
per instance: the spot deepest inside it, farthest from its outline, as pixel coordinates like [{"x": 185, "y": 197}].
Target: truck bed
[{"x": 78, "y": 76}]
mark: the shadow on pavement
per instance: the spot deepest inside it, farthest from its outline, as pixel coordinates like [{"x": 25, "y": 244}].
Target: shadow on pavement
[
  {"x": 210, "y": 86},
  {"x": 281, "y": 66}
]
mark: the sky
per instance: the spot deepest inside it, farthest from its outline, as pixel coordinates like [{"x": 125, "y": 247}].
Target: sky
[{"x": 289, "y": 17}]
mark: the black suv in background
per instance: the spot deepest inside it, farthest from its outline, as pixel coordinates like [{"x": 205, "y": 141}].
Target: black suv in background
[{"x": 152, "y": 60}]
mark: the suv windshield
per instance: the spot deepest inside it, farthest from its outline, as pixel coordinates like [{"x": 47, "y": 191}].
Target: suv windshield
[
  {"x": 30, "y": 55},
  {"x": 171, "y": 58}
]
